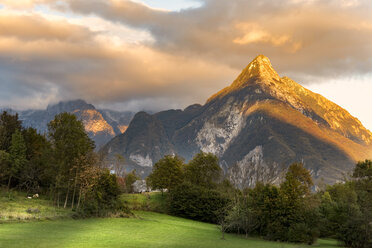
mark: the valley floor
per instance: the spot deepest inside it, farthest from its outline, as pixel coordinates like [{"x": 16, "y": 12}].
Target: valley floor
[{"x": 147, "y": 230}]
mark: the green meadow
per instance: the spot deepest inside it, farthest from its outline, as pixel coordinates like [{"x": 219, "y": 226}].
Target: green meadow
[
  {"x": 147, "y": 229},
  {"x": 154, "y": 201},
  {"x": 14, "y": 206}
]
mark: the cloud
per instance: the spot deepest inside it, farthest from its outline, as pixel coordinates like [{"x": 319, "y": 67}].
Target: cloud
[
  {"x": 303, "y": 37},
  {"x": 119, "y": 52},
  {"x": 253, "y": 33},
  {"x": 71, "y": 61},
  {"x": 35, "y": 28},
  {"x": 21, "y": 4}
]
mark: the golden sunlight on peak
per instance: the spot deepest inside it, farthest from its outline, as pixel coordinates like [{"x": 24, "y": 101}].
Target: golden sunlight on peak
[
  {"x": 95, "y": 123},
  {"x": 123, "y": 128}
]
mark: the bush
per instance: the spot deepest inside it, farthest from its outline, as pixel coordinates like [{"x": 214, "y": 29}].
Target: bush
[
  {"x": 302, "y": 233},
  {"x": 346, "y": 209},
  {"x": 354, "y": 233},
  {"x": 196, "y": 202},
  {"x": 167, "y": 173},
  {"x": 103, "y": 199},
  {"x": 286, "y": 213}
]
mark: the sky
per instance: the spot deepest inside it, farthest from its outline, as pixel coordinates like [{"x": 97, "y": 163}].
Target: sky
[{"x": 162, "y": 54}]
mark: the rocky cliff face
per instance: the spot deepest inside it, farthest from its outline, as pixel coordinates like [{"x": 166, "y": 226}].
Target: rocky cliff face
[
  {"x": 257, "y": 126},
  {"x": 101, "y": 125}
]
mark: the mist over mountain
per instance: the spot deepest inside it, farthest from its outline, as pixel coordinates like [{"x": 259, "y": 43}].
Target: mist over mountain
[{"x": 257, "y": 126}]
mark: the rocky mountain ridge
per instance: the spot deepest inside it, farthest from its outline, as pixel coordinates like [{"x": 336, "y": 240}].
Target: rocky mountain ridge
[
  {"x": 100, "y": 124},
  {"x": 257, "y": 126}
]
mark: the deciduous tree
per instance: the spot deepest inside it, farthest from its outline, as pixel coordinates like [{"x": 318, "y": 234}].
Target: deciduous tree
[
  {"x": 8, "y": 126},
  {"x": 17, "y": 155},
  {"x": 167, "y": 173},
  {"x": 71, "y": 148},
  {"x": 203, "y": 170}
]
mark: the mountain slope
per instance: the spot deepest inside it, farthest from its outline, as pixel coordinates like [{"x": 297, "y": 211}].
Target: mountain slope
[
  {"x": 145, "y": 141},
  {"x": 257, "y": 126},
  {"x": 101, "y": 125}
]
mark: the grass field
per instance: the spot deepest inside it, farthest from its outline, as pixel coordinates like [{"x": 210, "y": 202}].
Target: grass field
[
  {"x": 14, "y": 206},
  {"x": 153, "y": 201},
  {"x": 148, "y": 230}
]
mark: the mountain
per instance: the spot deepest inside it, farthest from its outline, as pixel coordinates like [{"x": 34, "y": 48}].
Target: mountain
[
  {"x": 101, "y": 125},
  {"x": 257, "y": 126}
]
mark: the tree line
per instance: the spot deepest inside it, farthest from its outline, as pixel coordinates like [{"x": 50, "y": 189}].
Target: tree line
[
  {"x": 61, "y": 164},
  {"x": 286, "y": 212}
]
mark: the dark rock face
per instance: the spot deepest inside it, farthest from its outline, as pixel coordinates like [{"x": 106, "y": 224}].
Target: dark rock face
[
  {"x": 257, "y": 126},
  {"x": 101, "y": 125},
  {"x": 144, "y": 142}
]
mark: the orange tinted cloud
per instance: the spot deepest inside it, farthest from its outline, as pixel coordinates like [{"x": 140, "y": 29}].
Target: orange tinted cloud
[
  {"x": 32, "y": 27},
  {"x": 71, "y": 61},
  {"x": 22, "y": 4},
  {"x": 185, "y": 55},
  {"x": 304, "y": 37}
]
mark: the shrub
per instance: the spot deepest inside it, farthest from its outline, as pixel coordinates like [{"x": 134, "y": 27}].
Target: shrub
[
  {"x": 302, "y": 233},
  {"x": 346, "y": 208},
  {"x": 103, "y": 198},
  {"x": 167, "y": 173},
  {"x": 196, "y": 202}
]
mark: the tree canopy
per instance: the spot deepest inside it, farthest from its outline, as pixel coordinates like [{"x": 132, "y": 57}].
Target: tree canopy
[
  {"x": 167, "y": 173},
  {"x": 8, "y": 126},
  {"x": 203, "y": 170}
]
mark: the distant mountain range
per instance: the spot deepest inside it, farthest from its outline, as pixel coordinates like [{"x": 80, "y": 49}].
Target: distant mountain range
[
  {"x": 257, "y": 126},
  {"x": 101, "y": 124}
]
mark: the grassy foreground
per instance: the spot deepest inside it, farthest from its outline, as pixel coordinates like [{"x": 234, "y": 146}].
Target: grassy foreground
[
  {"x": 148, "y": 230},
  {"x": 14, "y": 206}
]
